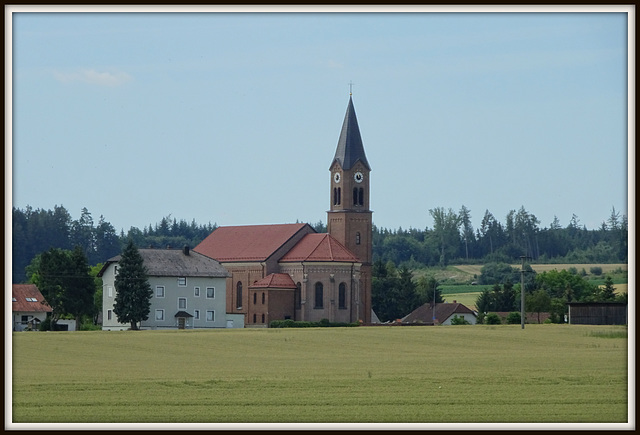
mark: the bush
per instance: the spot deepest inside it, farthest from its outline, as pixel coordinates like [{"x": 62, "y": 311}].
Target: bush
[
  {"x": 514, "y": 318},
  {"x": 324, "y": 323},
  {"x": 45, "y": 325},
  {"x": 573, "y": 270},
  {"x": 459, "y": 321},
  {"x": 596, "y": 270},
  {"x": 492, "y": 319}
]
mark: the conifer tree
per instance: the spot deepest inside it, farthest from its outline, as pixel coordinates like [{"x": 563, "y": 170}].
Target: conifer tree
[{"x": 133, "y": 292}]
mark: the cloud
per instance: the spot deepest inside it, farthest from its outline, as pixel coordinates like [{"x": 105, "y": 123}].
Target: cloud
[{"x": 93, "y": 77}]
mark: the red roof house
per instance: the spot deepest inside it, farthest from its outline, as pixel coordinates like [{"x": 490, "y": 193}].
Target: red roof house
[{"x": 29, "y": 307}]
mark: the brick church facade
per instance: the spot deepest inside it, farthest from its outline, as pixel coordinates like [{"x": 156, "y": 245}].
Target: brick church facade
[{"x": 289, "y": 271}]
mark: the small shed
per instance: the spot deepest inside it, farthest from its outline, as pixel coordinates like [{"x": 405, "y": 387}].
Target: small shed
[{"x": 597, "y": 313}]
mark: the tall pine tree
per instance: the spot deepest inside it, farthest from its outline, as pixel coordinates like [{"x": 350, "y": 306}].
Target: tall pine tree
[{"x": 133, "y": 292}]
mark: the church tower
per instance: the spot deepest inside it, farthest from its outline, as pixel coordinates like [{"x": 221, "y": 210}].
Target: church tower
[{"x": 349, "y": 219}]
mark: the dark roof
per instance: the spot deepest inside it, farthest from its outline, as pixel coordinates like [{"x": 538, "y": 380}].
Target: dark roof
[
  {"x": 174, "y": 262},
  {"x": 24, "y": 295},
  {"x": 182, "y": 314},
  {"x": 350, "y": 148},
  {"x": 250, "y": 242},
  {"x": 424, "y": 313}
]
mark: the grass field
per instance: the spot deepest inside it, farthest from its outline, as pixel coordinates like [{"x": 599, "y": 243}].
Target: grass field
[
  {"x": 472, "y": 269},
  {"x": 447, "y": 374}
]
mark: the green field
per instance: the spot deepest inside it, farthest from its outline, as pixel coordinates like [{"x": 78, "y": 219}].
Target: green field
[
  {"x": 455, "y": 281},
  {"x": 446, "y": 374}
]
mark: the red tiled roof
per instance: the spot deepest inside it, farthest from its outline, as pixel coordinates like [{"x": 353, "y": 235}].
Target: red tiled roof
[
  {"x": 248, "y": 243},
  {"x": 21, "y": 292},
  {"x": 275, "y": 280},
  {"x": 319, "y": 247},
  {"x": 424, "y": 313}
]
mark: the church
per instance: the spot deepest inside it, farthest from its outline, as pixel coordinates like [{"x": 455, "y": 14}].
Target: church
[{"x": 289, "y": 271}]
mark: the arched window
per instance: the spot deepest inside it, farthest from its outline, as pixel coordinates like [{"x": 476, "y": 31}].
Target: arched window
[
  {"x": 255, "y": 319},
  {"x": 342, "y": 295},
  {"x": 355, "y": 196},
  {"x": 337, "y": 196},
  {"x": 263, "y": 318},
  {"x": 297, "y": 296},
  {"x": 319, "y": 300},
  {"x": 255, "y": 298},
  {"x": 357, "y": 238},
  {"x": 239, "y": 295},
  {"x": 263, "y": 297},
  {"x": 361, "y": 196}
]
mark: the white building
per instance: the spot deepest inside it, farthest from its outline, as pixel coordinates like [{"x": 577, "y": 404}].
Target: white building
[{"x": 189, "y": 291}]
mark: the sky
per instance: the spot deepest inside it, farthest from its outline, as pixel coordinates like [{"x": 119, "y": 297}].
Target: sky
[{"x": 234, "y": 118}]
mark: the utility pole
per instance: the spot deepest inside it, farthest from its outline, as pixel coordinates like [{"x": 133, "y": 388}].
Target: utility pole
[{"x": 522, "y": 313}]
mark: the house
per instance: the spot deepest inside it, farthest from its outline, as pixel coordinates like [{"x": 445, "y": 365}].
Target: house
[
  {"x": 444, "y": 313},
  {"x": 29, "y": 307},
  {"x": 329, "y": 274},
  {"x": 188, "y": 291},
  {"x": 598, "y": 313}
]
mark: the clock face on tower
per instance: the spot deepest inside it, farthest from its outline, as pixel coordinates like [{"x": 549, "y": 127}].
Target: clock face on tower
[
  {"x": 358, "y": 177},
  {"x": 336, "y": 177}
]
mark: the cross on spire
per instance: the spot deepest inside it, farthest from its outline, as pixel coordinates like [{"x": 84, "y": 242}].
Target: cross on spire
[{"x": 350, "y": 87}]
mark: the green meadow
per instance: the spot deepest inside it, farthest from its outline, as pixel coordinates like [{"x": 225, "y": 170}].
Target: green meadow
[{"x": 445, "y": 374}]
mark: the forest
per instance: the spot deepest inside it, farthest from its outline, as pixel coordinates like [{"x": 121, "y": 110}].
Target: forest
[{"x": 451, "y": 240}]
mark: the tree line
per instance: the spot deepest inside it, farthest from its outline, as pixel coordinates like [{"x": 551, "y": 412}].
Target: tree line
[
  {"x": 452, "y": 240},
  {"x": 36, "y": 231}
]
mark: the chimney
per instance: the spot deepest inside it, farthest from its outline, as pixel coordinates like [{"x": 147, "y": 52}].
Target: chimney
[
  {"x": 185, "y": 250},
  {"x": 455, "y": 302}
]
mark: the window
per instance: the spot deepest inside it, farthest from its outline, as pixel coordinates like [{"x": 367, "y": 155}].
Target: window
[
  {"x": 31, "y": 299},
  {"x": 109, "y": 314},
  {"x": 110, "y": 291},
  {"x": 337, "y": 196},
  {"x": 211, "y": 292},
  {"x": 255, "y": 319},
  {"x": 196, "y": 292},
  {"x": 159, "y": 314},
  {"x": 357, "y": 238},
  {"x": 263, "y": 318},
  {"x": 239, "y": 295},
  {"x": 196, "y": 314},
  {"x": 210, "y": 316},
  {"x": 182, "y": 303},
  {"x": 342, "y": 295},
  {"x": 263, "y": 298},
  {"x": 14, "y": 299},
  {"x": 182, "y": 281},
  {"x": 115, "y": 270},
  {"x": 255, "y": 298},
  {"x": 159, "y": 291},
  {"x": 297, "y": 296},
  {"x": 355, "y": 196},
  {"x": 319, "y": 296}
]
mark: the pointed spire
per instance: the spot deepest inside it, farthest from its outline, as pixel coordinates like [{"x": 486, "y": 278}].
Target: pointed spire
[{"x": 350, "y": 148}]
